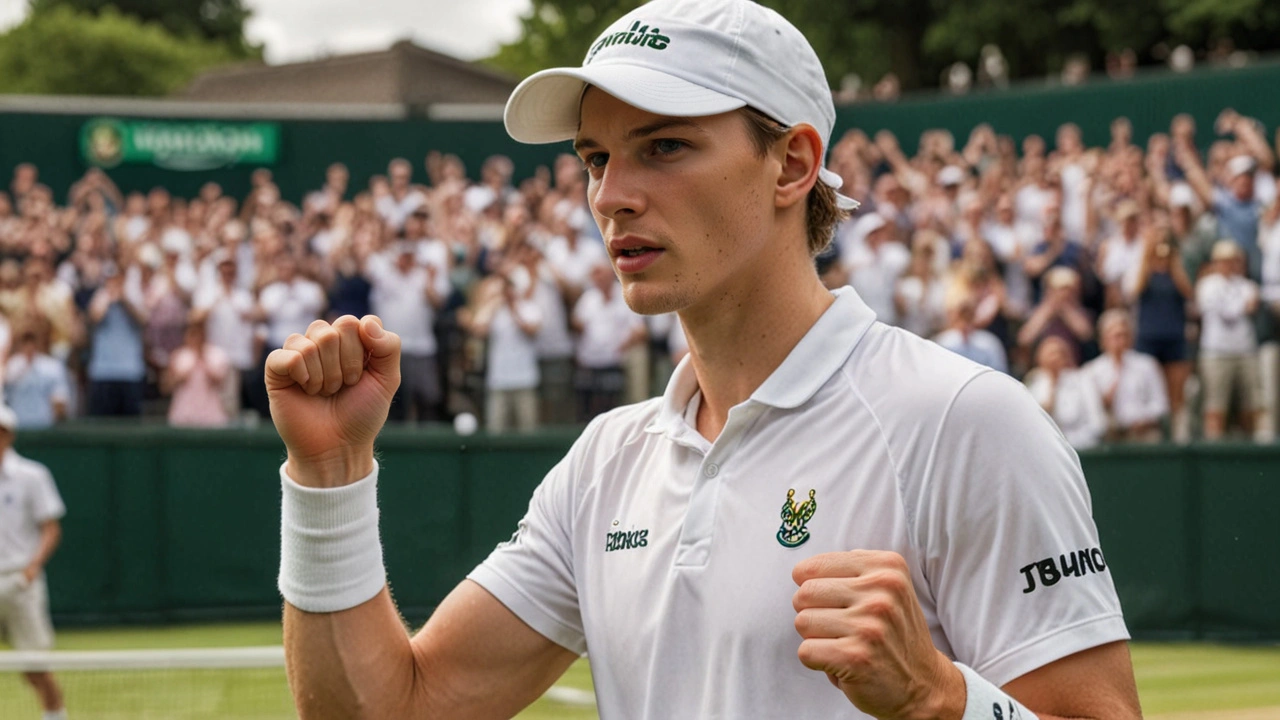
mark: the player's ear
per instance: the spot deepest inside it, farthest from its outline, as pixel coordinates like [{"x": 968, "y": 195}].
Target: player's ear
[{"x": 801, "y": 161}]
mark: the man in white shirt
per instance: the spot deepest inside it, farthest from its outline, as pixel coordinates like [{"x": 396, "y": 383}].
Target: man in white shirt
[
  {"x": 230, "y": 314},
  {"x": 1121, "y": 254},
  {"x": 406, "y": 296},
  {"x": 403, "y": 198},
  {"x": 287, "y": 306},
  {"x": 607, "y": 329},
  {"x": 1067, "y": 394},
  {"x": 956, "y": 572},
  {"x": 30, "y": 529},
  {"x": 511, "y": 367},
  {"x": 1228, "y": 339},
  {"x": 875, "y": 260},
  {"x": 1130, "y": 383}
]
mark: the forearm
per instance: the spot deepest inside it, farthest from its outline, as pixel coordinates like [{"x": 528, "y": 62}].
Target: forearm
[
  {"x": 356, "y": 663},
  {"x": 50, "y": 536}
]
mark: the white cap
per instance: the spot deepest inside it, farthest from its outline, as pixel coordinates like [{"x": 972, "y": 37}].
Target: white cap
[
  {"x": 950, "y": 175},
  {"x": 1239, "y": 165},
  {"x": 1182, "y": 195},
  {"x": 867, "y": 224},
  {"x": 687, "y": 58},
  {"x": 8, "y": 418}
]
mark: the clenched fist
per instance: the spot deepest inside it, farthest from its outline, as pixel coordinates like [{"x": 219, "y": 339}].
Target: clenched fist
[
  {"x": 862, "y": 625},
  {"x": 330, "y": 391}
]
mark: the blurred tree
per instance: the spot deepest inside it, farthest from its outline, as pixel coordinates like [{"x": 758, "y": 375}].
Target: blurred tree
[
  {"x": 218, "y": 20},
  {"x": 556, "y": 33},
  {"x": 917, "y": 39},
  {"x": 64, "y": 52}
]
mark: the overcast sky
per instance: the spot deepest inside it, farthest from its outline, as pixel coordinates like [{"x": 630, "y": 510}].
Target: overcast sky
[{"x": 304, "y": 29}]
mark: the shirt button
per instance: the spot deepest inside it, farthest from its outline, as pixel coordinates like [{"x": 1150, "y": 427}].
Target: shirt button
[{"x": 712, "y": 470}]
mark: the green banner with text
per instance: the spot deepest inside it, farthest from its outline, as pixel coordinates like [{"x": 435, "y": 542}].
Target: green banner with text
[{"x": 108, "y": 142}]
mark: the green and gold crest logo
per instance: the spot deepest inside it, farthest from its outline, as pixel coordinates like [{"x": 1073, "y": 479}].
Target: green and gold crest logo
[{"x": 793, "y": 532}]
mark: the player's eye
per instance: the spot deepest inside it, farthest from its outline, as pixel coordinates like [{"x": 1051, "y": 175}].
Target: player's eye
[
  {"x": 595, "y": 160},
  {"x": 667, "y": 146}
]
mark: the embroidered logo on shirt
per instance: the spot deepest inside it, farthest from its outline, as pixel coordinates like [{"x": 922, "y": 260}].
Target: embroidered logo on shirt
[
  {"x": 793, "y": 532},
  {"x": 624, "y": 540}
]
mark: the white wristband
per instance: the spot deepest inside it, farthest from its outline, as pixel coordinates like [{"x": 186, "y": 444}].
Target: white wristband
[
  {"x": 988, "y": 702},
  {"x": 330, "y": 554}
]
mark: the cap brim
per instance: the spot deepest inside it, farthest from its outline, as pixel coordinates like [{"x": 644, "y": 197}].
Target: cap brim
[
  {"x": 544, "y": 108},
  {"x": 833, "y": 179}
]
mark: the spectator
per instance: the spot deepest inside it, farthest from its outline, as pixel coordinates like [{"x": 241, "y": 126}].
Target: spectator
[
  {"x": 117, "y": 365},
  {"x": 1130, "y": 383},
  {"x": 1234, "y": 204},
  {"x": 1121, "y": 253},
  {"x": 332, "y": 193},
  {"x": 1067, "y": 394},
  {"x": 608, "y": 329},
  {"x": 401, "y": 198},
  {"x": 920, "y": 296},
  {"x": 1158, "y": 289},
  {"x": 36, "y": 385},
  {"x": 1060, "y": 314},
  {"x": 1269, "y": 353},
  {"x": 511, "y": 326},
  {"x": 288, "y": 305},
  {"x": 1228, "y": 340},
  {"x": 875, "y": 260},
  {"x": 406, "y": 296},
  {"x": 195, "y": 378},
  {"x": 966, "y": 339},
  {"x": 230, "y": 313}
]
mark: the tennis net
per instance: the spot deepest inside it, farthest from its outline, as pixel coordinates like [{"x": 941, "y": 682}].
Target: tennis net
[{"x": 242, "y": 683}]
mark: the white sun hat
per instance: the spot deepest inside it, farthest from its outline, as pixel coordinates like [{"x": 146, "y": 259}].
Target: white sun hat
[{"x": 687, "y": 58}]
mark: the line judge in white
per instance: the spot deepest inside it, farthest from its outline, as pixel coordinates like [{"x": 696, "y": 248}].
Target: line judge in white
[{"x": 823, "y": 516}]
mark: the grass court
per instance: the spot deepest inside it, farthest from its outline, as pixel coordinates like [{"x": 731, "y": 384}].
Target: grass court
[{"x": 1176, "y": 681}]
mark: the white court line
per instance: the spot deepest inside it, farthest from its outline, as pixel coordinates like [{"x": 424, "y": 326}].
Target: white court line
[{"x": 570, "y": 696}]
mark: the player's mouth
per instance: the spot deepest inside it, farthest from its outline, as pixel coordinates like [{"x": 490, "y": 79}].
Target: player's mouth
[{"x": 632, "y": 254}]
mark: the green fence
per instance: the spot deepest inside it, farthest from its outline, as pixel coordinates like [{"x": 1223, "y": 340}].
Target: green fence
[
  {"x": 52, "y": 140},
  {"x": 170, "y": 525}
]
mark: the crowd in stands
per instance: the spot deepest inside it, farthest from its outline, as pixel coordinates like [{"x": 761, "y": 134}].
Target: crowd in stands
[{"x": 1135, "y": 290}]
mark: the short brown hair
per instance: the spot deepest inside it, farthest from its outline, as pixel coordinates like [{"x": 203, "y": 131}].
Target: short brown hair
[{"x": 822, "y": 213}]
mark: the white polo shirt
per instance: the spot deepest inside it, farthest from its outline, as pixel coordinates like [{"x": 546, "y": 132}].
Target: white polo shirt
[
  {"x": 1140, "y": 389},
  {"x": 28, "y": 497},
  {"x": 667, "y": 557},
  {"x": 400, "y": 300},
  {"x": 607, "y": 323}
]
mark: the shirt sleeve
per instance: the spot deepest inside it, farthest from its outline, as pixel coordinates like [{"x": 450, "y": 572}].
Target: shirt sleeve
[
  {"x": 532, "y": 574},
  {"x": 1005, "y": 527},
  {"x": 48, "y": 503}
]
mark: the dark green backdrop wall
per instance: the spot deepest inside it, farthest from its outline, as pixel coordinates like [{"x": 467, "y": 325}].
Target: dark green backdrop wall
[
  {"x": 167, "y": 525},
  {"x": 307, "y": 146}
]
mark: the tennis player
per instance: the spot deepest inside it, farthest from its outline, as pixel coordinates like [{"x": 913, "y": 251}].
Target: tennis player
[{"x": 823, "y": 516}]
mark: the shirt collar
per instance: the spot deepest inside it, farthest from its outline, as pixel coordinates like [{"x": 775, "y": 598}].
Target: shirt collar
[{"x": 820, "y": 353}]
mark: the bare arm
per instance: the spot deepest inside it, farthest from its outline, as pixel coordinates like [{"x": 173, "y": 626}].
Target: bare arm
[
  {"x": 1096, "y": 684},
  {"x": 330, "y": 391},
  {"x": 474, "y": 658},
  {"x": 1079, "y": 323},
  {"x": 1196, "y": 177},
  {"x": 50, "y": 536},
  {"x": 1035, "y": 324},
  {"x": 1247, "y": 132}
]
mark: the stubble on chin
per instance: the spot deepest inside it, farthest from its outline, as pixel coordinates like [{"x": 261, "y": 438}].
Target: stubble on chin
[{"x": 649, "y": 298}]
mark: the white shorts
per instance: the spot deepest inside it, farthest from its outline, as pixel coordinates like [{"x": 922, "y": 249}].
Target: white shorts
[{"x": 24, "y": 613}]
